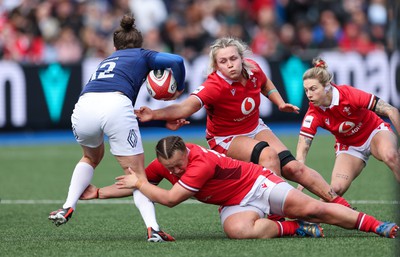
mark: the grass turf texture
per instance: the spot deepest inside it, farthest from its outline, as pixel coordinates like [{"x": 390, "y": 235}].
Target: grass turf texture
[{"x": 115, "y": 228}]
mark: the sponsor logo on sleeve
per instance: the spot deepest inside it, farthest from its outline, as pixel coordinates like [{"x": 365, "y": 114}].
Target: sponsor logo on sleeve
[{"x": 307, "y": 121}]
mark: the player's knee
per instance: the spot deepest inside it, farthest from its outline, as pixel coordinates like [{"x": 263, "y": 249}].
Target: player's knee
[
  {"x": 236, "y": 230},
  {"x": 291, "y": 168},
  {"x": 269, "y": 159},
  {"x": 339, "y": 189},
  {"x": 257, "y": 150},
  {"x": 391, "y": 157}
]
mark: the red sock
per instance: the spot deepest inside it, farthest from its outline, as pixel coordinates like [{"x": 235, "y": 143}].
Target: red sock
[
  {"x": 287, "y": 228},
  {"x": 366, "y": 223},
  {"x": 341, "y": 200}
]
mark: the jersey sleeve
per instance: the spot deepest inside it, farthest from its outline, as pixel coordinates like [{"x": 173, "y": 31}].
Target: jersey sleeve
[
  {"x": 176, "y": 63},
  {"x": 360, "y": 98},
  {"x": 310, "y": 124},
  {"x": 209, "y": 92}
]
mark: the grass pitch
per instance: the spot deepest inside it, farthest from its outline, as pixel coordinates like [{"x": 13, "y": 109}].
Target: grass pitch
[{"x": 34, "y": 181}]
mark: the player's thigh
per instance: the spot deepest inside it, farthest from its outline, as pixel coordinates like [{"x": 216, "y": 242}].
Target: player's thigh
[
  {"x": 132, "y": 162},
  {"x": 299, "y": 205},
  {"x": 346, "y": 168},
  {"x": 269, "y": 137},
  {"x": 384, "y": 143},
  {"x": 241, "y": 148},
  {"x": 122, "y": 129},
  {"x": 87, "y": 121}
]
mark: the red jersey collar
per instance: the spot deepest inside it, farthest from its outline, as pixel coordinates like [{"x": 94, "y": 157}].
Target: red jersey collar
[
  {"x": 229, "y": 81},
  {"x": 335, "y": 99}
]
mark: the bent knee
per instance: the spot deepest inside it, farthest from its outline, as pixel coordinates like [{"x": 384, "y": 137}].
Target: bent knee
[
  {"x": 391, "y": 157},
  {"x": 294, "y": 170},
  {"x": 236, "y": 230},
  {"x": 269, "y": 159}
]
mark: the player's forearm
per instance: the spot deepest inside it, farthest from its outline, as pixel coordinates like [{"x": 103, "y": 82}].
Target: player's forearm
[
  {"x": 384, "y": 109},
  {"x": 113, "y": 192},
  {"x": 303, "y": 146},
  {"x": 277, "y": 99},
  {"x": 394, "y": 117},
  {"x": 172, "y": 112},
  {"x": 157, "y": 194}
]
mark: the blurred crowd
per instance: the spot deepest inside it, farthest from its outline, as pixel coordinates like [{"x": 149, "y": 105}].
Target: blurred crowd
[{"x": 67, "y": 31}]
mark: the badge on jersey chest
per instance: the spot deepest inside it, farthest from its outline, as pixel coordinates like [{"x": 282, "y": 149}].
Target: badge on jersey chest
[{"x": 254, "y": 81}]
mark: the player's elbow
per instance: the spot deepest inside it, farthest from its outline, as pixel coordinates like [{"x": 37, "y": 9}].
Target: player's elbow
[{"x": 171, "y": 203}]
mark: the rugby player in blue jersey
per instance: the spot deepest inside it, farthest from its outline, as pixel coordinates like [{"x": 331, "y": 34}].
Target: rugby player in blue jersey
[{"x": 105, "y": 107}]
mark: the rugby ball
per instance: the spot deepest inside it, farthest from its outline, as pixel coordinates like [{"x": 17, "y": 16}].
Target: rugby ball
[{"x": 161, "y": 84}]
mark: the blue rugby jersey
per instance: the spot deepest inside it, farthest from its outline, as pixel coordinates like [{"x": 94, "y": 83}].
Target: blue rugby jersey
[{"x": 126, "y": 70}]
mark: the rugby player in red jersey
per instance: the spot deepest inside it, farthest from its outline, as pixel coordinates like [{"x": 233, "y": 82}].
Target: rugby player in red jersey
[{"x": 351, "y": 115}]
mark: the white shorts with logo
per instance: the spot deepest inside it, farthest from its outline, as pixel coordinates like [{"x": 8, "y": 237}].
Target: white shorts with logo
[
  {"x": 262, "y": 200},
  {"x": 362, "y": 152},
  {"x": 110, "y": 114},
  {"x": 222, "y": 144}
]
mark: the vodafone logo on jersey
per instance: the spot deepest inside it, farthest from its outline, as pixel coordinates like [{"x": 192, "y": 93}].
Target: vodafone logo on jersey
[
  {"x": 248, "y": 105},
  {"x": 346, "y": 126}
]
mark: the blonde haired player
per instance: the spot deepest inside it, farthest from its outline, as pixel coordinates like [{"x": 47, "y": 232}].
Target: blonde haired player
[{"x": 351, "y": 115}]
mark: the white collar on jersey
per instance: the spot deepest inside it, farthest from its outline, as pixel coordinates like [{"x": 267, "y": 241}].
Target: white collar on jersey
[
  {"x": 230, "y": 82},
  {"x": 335, "y": 98}
]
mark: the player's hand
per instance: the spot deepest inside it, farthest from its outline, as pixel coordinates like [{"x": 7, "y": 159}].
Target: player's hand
[
  {"x": 127, "y": 181},
  {"x": 89, "y": 193},
  {"x": 144, "y": 114},
  {"x": 176, "y": 124},
  {"x": 286, "y": 107}
]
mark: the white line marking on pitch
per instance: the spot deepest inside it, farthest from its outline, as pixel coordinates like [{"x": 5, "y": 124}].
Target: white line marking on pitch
[{"x": 189, "y": 201}]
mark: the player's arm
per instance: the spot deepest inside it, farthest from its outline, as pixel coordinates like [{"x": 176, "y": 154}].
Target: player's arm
[
  {"x": 93, "y": 192},
  {"x": 269, "y": 90},
  {"x": 384, "y": 109},
  {"x": 176, "y": 63},
  {"x": 170, "y": 198},
  {"x": 176, "y": 111},
  {"x": 303, "y": 146}
]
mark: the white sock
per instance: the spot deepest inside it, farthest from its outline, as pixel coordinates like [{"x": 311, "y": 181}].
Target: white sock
[
  {"x": 147, "y": 209},
  {"x": 81, "y": 178}
]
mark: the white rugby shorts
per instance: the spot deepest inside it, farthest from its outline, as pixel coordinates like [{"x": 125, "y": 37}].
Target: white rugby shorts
[
  {"x": 110, "y": 114},
  {"x": 260, "y": 199},
  {"x": 362, "y": 152},
  {"x": 222, "y": 144}
]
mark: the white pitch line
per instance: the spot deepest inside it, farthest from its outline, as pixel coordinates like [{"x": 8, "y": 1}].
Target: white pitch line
[
  {"x": 189, "y": 201},
  {"x": 103, "y": 201}
]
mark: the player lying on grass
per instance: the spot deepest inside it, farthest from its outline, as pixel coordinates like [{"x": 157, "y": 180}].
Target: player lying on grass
[{"x": 245, "y": 191}]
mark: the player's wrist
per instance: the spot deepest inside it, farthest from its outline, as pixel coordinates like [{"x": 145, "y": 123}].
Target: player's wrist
[
  {"x": 98, "y": 193},
  {"x": 139, "y": 183}
]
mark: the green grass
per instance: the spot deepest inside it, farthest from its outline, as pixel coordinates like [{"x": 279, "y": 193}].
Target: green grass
[{"x": 42, "y": 172}]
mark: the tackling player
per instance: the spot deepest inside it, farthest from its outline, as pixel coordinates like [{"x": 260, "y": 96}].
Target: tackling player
[
  {"x": 231, "y": 96},
  {"x": 246, "y": 192},
  {"x": 351, "y": 115}
]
